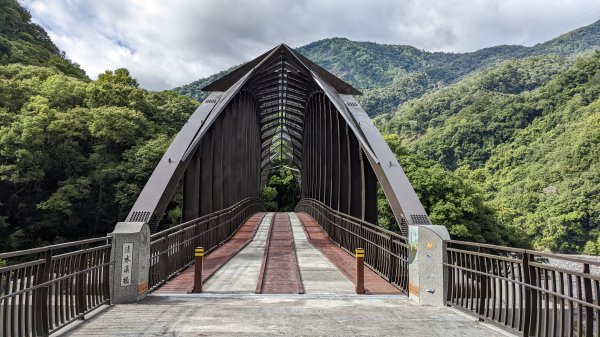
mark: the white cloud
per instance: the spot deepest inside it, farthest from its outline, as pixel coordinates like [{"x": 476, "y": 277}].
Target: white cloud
[{"x": 168, "y": 43}]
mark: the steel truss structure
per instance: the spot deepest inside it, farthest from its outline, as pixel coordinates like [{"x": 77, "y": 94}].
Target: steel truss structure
[{"x": 279, "y": 109}]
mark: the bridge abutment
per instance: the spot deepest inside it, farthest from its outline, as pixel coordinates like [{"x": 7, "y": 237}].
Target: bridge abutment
[
  {"x": 131, "y": 255},
  {"x": 427, "y": 275}
]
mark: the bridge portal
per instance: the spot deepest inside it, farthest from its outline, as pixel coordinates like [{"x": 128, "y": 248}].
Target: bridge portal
[{"x": 279, "y": 109}]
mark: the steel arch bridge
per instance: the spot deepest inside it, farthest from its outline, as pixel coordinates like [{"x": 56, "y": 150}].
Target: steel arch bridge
[{"x": 279, "y": 108}]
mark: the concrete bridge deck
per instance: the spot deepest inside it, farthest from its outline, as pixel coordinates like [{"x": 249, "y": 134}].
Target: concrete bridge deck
[
  {"x": 328, "y": 306},
  {"x": 280, "y": 315}
]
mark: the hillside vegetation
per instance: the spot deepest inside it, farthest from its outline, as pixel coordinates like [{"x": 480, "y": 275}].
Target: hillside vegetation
[
  {"x": 528, "y": 132},
  {"x": 502, "y": 145},
  {"x": 74, "y": 153},
  {"x": 22, "y": 41}
]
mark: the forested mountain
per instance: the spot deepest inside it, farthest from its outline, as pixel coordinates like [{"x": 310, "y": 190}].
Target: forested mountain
[
  {"x": 502, "y": 145},
  {"x": 389, "y": 75},
  {"x": 529, "y": 131},
  {"x": 22, "y": 41},
  {"x": 74, "y": 153}
]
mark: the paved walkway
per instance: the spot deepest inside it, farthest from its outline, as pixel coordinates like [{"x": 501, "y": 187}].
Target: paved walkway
[
  {"x": 239, "y": 275},
  {"x": 319, "y": 275},
  {"x": 329, "y": 306},
  {"x": 279, "y": 273},
  {"x": 344, "y": 262},
  {"x": 280, "y": 315},
  {"x": 214, "y": 260}
]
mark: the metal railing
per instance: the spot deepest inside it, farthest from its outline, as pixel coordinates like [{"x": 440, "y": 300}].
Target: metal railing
[
  {"x": 520, "y": 291},
  {"x": 43, "y": 289},
  {"x": 386, "y": 252},
  {"x": 172, "y": 249}
]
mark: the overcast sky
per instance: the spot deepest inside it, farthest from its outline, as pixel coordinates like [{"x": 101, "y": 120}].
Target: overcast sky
[{"x": 169, "y": 43}]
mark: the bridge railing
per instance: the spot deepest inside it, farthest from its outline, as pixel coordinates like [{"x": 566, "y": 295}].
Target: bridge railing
[
  {"x": 526, "y": 292},
  {"x": 43, "y": 289},
  {"x": 386, "y": 252},
  {"x": 172, "y": 249}
]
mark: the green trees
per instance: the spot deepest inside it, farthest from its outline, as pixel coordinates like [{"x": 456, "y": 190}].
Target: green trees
[
  {"x": 22, "y": 41},
  {"x": 527, "y": 133},
  {"x": 75, "y": 154},
  {"x": 282, "y": 191},
  {"x": 451, "y": 199}
]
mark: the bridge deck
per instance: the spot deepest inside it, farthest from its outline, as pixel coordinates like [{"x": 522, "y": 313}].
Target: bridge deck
[
  {"x": 229, "y": 306},
  {"x": 297, "y": 244},
  {"x": 280, "y": 315}
]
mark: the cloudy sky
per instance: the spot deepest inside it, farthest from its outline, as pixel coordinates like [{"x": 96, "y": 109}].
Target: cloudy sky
[{"x": 169, "y": 43}]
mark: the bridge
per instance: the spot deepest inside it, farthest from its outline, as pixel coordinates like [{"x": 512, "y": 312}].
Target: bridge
[{"x": 294, "y": 273}]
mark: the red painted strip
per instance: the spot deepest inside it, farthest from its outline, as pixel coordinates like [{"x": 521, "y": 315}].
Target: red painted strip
[
  {"x": 213, "y": 261},
  {"x": 280, "y": 273},
  {"x": 346, "y": 263}
]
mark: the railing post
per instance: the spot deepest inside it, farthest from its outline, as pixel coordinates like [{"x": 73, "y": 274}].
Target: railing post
[
  {"x": 165, "y": 264},
  {"x": 589, "y": 298},
  {"x": 80, "y": 284},
  {"x": 198, "y": 266},
  {"x": 483, "y": 283},
  {"x": 392, "y": 262},
  {"x": 360, "y": 271},
  {"x": 529, "y": 278},
  {"x": 42, "y": 295}
]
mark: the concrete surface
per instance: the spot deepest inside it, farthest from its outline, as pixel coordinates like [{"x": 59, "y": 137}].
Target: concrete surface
[
  {"x": 432, "y": 276},
  {"x": 318, "y": 274},
  {"x": 138, "y": 235},
  {"x": 279, "y": 315},
  {"x": 240, "y": 274}
]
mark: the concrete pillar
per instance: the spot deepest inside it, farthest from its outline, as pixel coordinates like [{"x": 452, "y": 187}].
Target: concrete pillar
[
  {"x": 427, "y": 276},
  {"x": 131, "y": 255}
]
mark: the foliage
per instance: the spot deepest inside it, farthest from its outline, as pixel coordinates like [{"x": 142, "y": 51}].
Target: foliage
[
  {"x": 75, "y": 154},
  {"x": 22, "y": 41},
  {"x": 450, "y": 198},
  {"x": 282, "y": 191},
  {"x": 527, "y": 131},
  {"x": 473, "y": 116}
]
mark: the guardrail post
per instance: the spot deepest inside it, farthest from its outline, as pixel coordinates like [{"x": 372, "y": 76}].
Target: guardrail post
[
  {"x": 198, "y": 266},
  {"x": 131, "y": 255},
  {"x": 80, "y": 284},
  {"x": 360, "y": 271},
  {"x": 392, "y": 261}
]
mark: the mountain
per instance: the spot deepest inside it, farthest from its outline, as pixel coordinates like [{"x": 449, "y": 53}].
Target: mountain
[
  {"x": 22, "y": 41},
  {"x": 504, "y": 139},
  {"x": 389, "y": 75},
  {"x": 528, "y": 131},
  {"x": 74, "y": 153},
  {"x": 502, "y": 145}
]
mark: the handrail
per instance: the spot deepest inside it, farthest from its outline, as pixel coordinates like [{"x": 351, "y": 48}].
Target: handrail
[
  {"x": 202, "y": 218},
  {"x": 520, "y": 291},
  {"x": 43, "y": 289},
  {"x": 386, "y": 251},
  {"x": 51, "y": 247},
  {"x": 171, "y": 250}
]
